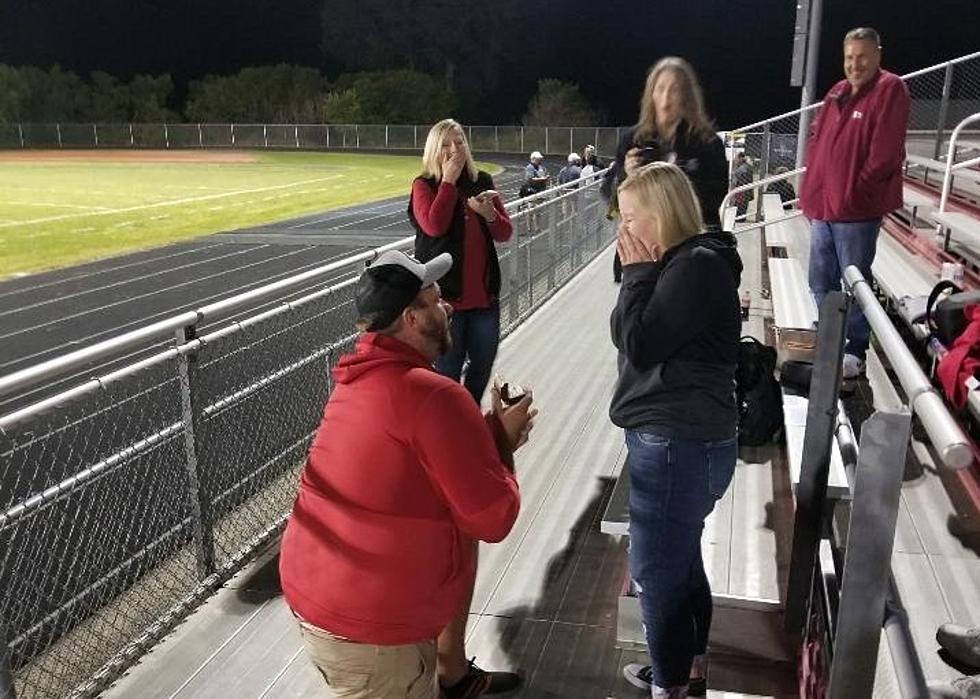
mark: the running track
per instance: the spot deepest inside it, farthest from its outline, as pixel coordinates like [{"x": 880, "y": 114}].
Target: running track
[{"x": 50, "y": 314}]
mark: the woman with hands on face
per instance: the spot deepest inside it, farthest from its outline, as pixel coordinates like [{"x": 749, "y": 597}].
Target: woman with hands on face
[
  {"x": 676, "y": 326},
  {"x": 454, "y": 208}
]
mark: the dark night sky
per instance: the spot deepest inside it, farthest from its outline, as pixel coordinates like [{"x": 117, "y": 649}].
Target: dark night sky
[{"x": 741, "y": 48}]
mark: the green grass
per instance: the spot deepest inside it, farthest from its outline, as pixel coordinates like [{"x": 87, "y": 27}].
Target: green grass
[{"x": 58, "y": 213}]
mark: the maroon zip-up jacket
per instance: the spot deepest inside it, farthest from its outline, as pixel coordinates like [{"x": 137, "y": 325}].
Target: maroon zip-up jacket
[{"x": 856, "y": 150}]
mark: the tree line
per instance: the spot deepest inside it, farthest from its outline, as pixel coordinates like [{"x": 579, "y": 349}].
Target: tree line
[{"x": 266, "y": 94}]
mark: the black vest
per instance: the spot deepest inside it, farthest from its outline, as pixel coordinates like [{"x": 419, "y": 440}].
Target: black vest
[{"x": 427, "y": 247}]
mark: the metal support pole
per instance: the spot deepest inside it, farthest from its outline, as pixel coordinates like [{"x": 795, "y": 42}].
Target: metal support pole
[
  {"x": 296, "y": 135},
  {"x": 357, "y": 136},
  {"x": 811, "y": 492},
  {"x": 810, "y": 82},
  {"x": 7, "y": 689},
  {"x": 166, "y": 135},
  {"x": 58, "y": 127},
  {"x": 901, "y": 646},
  {"x": 571, "y": 139},
  {"x": 496, "y": 139},
  {"x": 522, "y": 139},
  {"x": 764, "y": 168},
  {"x": 95, "y": 134},
  {"x": 132, "y": 141},
  {"x": 415, "y": 136},
  {"x": 387, "y": 146},
  {"x": 232, "y": 129},
  {"x": 515, "y": 250},
  {"x": 265, "y": 135},
  {"x": 546, "y": 130},
  {"x": 943, "y": 109},
  {"x": 20, "y": 132},
  {"x": 200, "y": 136},
  {"x": 199, "y": 504},
  {"x": 553, "y": 218},
  {"x": 867, "y": 562}
]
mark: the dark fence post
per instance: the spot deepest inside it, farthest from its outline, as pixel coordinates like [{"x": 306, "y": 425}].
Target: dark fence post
[
  {"x": 867, "y": 561},
  {"x": 201, "y": 515},
  {"x": 7, "y": 690},
  {"x": 811, "y": 492}
]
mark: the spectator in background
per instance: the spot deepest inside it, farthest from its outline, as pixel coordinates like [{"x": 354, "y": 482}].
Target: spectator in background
[
  {"x": 535, "y": 176},
  {"x": 572, "y": 171},
  {"x": 673, "y": 127},
  {"x": 454, "y": 208},
  {"x": 676, "y": 325},
  {"x": 742, "y": 175},
  {"x": 590, "y": 162},
  {"x": 854, "y": 176},
  {"x": 784, "y": 188},
  {"x": 404, "y": 475}
]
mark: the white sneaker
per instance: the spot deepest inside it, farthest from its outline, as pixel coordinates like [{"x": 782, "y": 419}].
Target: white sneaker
[{"x": 852, "y": 366}]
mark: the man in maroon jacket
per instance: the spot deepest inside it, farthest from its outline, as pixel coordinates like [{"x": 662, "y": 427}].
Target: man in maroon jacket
[
  {"x": 403, "y": 477},
  {"x": 854, "y": 175}
]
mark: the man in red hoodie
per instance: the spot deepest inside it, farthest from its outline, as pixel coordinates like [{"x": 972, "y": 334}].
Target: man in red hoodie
[
  {"x": 854, "y": 175},
  {"x": 404, "y": 475}
]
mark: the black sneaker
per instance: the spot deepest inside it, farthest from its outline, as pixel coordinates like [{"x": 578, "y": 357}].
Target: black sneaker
[
  {"x": 477, "y": 682},
  {"x": 642, "y": 676}
]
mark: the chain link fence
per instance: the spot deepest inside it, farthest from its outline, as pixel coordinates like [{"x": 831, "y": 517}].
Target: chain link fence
[
  {"x": 941, "y": 97},
  {"x": 489, "y": 139},
  {"x": 127, "y": 500}
]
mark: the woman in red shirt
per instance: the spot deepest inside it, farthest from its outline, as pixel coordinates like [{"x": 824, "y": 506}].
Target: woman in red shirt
[{"x": 455, "y": 209}]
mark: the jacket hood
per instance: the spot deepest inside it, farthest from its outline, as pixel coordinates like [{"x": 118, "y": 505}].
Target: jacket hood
[
  {"x": 722, "y": 243},
  {"x": 374, "y": 351}
]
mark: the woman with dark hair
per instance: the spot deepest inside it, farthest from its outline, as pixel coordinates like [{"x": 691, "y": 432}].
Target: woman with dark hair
[
  {"x": 455, "y": 209},
  {"x": 673, "y": 127},
  {"x": 676, "y": 325}
]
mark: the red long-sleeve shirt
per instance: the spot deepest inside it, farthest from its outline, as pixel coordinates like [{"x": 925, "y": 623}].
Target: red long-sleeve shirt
[{"x": 434, "y": 213}]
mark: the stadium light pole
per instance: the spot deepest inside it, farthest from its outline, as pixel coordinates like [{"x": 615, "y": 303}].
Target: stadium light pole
[{"x": 806, "y": 61}]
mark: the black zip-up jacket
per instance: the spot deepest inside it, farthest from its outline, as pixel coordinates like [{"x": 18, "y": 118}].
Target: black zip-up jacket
[
  {"x": 677, "y": 325},
  {"x": 704, "y": 162},
  {"x": 427, "y": 247}
]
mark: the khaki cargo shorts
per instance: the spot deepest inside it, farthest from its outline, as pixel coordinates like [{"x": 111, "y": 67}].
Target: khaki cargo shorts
[{"x": 365, "y": 671}]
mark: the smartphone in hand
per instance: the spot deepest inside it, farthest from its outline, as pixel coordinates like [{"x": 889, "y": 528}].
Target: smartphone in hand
[{"x": 487, "y": 195}]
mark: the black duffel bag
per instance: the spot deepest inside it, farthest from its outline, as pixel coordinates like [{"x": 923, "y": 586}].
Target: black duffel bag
[{"x": 945, "y": 318}]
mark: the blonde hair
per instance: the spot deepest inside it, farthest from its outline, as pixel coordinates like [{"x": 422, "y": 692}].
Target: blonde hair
[
  {"x": 666, "y": 193},
  {"x": 692, "y": 101},
  {"x": 432, "y": 155}
]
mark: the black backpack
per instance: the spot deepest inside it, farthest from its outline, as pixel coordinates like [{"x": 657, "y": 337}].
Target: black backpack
[
  {"x": 757, "y": 394},
  {"x": 946, "y": 319}
]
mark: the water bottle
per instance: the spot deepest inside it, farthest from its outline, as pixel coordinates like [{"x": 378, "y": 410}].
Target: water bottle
[{"x": 746, "y": 303}]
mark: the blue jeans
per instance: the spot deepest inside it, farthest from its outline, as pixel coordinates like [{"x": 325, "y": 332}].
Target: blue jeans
[
  {"x": 476, "y": 335},
  {"x": 835, "y": 246},
  {"x": 673, "y": 487}
]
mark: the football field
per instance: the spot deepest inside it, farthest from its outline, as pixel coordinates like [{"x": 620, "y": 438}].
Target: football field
[{"x": 59, "y": 208}]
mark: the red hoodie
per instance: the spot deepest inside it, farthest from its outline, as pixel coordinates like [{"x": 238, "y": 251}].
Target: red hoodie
[
  {"x": 402, "y": 476},
  {"x": 856, "y": 150}
]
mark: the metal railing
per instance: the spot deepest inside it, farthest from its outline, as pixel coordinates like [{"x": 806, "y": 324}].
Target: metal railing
[
  {"x": 951, "y": 163},
  {"x": 945, "y": 434},
  {"x": 128, "y": 499},
  {"x": 941, "y": 94},
  {"x": 492, "y": 139}
]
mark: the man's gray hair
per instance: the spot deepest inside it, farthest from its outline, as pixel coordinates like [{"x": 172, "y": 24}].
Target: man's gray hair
[{"x": 864, "y": 34}]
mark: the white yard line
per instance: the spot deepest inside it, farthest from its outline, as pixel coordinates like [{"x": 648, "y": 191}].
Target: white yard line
[
  {"x": 62, "y": 206},
  {"x": 172, "y": 202}
]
